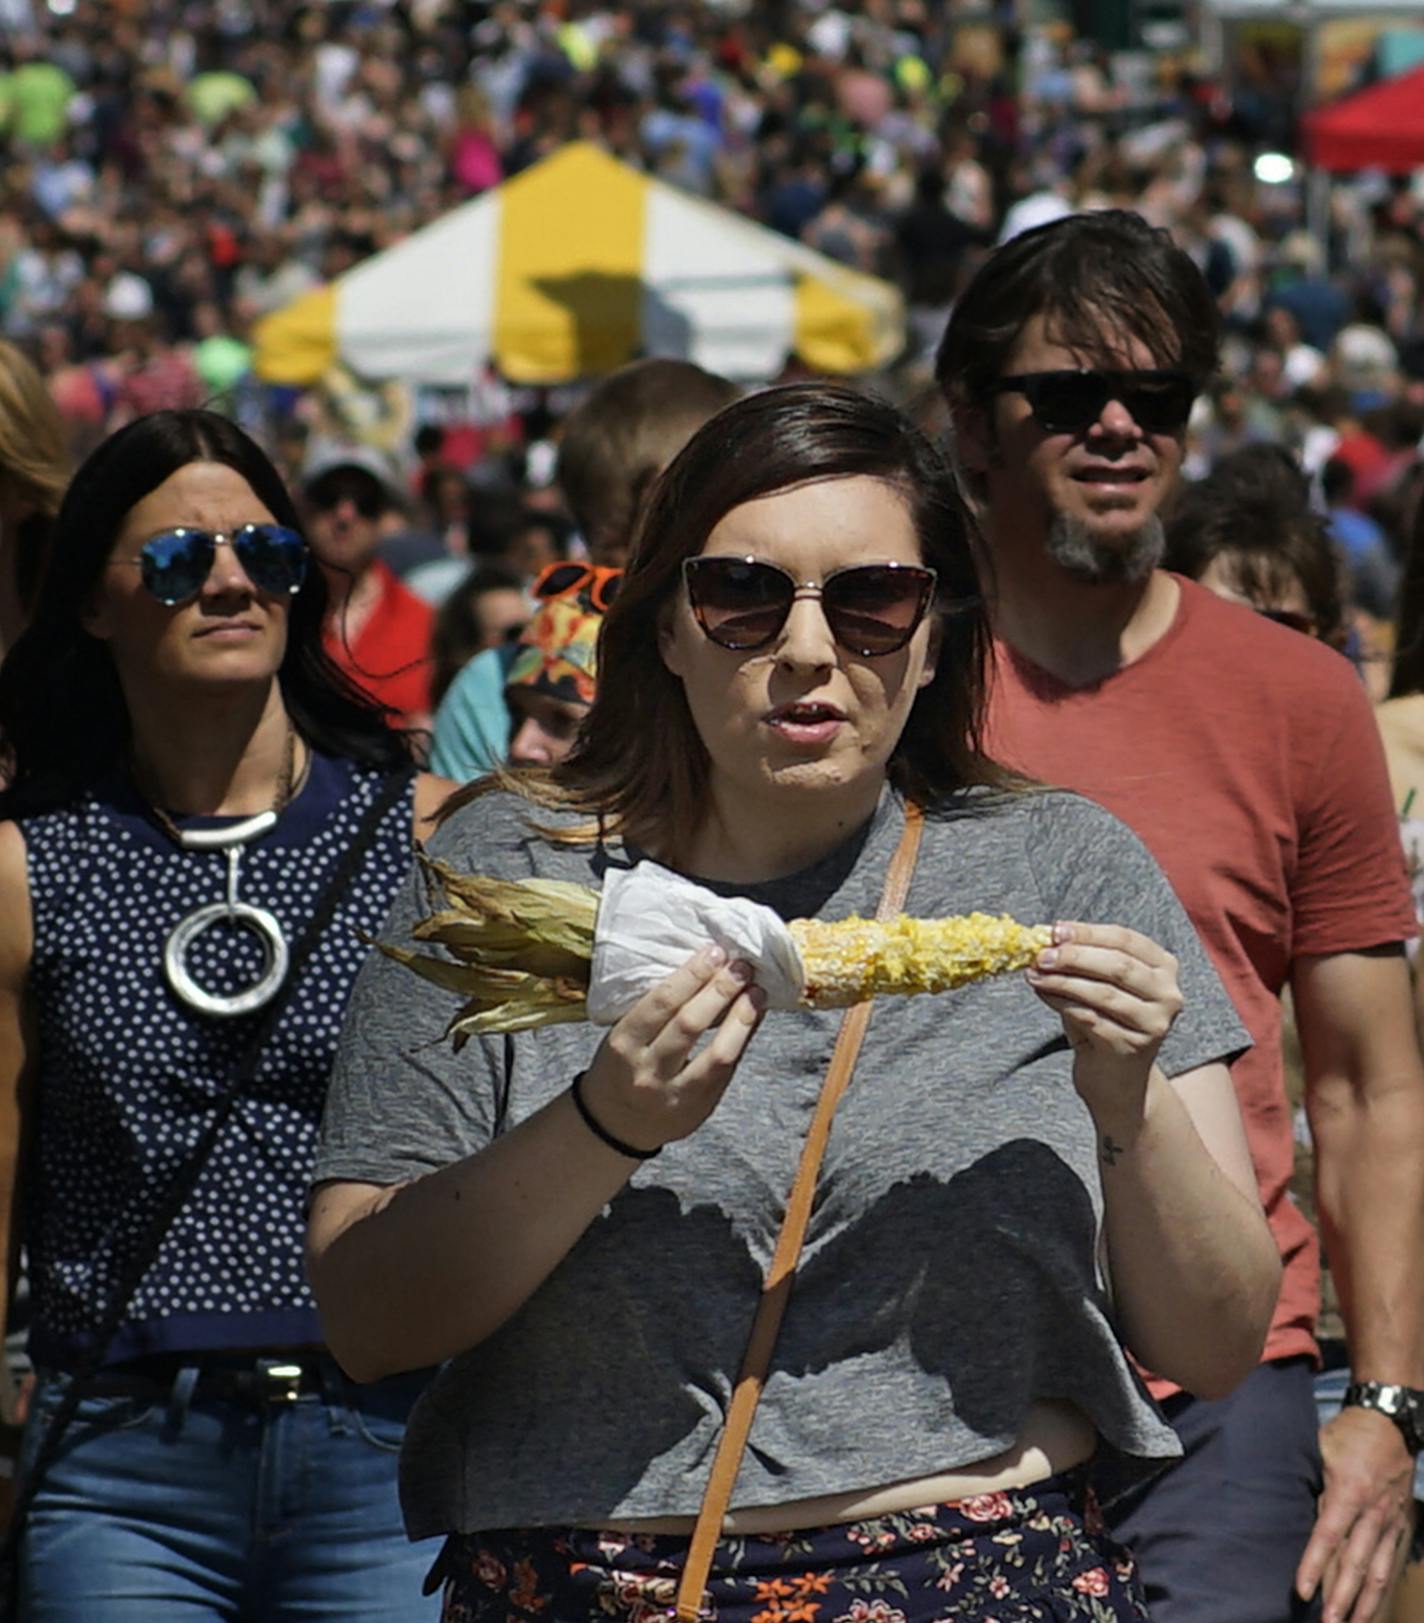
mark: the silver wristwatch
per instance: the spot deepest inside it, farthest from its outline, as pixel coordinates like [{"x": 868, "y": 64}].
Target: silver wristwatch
[{"x": 1403, "y": 1404}]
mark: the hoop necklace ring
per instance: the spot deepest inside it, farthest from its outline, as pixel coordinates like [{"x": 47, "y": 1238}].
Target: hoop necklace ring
[{"x": 230, "y": 911}]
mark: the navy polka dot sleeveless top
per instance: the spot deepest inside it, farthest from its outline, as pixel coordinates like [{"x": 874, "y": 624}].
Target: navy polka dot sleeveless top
[{"x": 128, "y": 1074}]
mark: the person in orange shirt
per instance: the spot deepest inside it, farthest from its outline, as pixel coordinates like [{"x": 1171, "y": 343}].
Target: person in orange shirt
[{"x": 378, "y": 632}]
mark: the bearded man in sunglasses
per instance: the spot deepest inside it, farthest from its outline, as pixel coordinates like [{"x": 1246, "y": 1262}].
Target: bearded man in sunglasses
[{"x": 1246, "y": 758}]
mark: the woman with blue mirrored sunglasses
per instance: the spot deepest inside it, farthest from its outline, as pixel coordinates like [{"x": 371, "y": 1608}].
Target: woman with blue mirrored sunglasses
[
  {"x": 200, "y": 805},
  {"x": 175, "y": 563}
]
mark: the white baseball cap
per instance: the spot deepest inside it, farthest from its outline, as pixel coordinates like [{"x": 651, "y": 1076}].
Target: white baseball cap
[{"x": 327, "y": 456}]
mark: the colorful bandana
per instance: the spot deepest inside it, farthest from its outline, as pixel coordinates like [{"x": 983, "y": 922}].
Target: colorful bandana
[{"x": 558, "y": 650}]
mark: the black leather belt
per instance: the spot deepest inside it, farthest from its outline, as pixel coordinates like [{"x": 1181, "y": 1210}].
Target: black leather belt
[{"x": 254, "y": 1380}]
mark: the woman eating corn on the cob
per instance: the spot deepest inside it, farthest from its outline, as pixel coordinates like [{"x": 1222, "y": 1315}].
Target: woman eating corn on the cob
[{"x": 1033, "y": 1179}]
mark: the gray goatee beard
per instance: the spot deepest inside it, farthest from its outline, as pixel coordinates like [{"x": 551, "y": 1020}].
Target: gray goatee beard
[{"x": 1124, "y": 561}]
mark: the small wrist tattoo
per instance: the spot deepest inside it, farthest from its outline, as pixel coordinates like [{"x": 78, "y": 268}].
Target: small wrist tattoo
[{"x": 1111, "y": 1151}]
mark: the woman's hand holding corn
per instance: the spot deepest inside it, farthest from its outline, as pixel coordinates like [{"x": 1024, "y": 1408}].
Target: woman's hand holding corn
[{"x": 1117, "y": 994}]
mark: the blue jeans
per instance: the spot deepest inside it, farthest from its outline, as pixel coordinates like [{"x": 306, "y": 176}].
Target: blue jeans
[{"x": 192, "y": 1508}]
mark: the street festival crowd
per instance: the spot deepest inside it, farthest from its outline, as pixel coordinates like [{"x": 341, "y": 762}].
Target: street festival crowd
[{"x": 1102, "y": 607}]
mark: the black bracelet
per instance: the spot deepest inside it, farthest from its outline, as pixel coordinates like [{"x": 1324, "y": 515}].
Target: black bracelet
[{"x": 599, "y": 1130}]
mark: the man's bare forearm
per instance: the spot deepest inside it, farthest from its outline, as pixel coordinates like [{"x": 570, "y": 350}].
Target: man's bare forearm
[{"x": 1369, "y": 1156}]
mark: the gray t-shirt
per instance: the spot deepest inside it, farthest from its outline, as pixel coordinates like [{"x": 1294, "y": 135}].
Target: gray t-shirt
[{"x": 950, "y": 1276}]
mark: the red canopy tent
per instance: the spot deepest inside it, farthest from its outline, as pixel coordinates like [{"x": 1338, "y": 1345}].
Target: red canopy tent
[{"x": 1381, "y": 127}]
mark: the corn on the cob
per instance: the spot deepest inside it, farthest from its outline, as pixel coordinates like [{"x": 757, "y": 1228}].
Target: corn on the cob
[
  {"x": 857, "y": 958},
  {"x": 521, "y": 951}
]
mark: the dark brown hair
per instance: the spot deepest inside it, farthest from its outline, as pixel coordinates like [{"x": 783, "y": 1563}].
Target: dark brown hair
[
  {"x": 1254, "y": 506},
  {"x": 639, "y": 766},
  {"x": 456, "y": 637},
  {"x": 1097, "y": 279}
]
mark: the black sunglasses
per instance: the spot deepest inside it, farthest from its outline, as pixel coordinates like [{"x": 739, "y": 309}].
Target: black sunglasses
[
  {"x": 1069, "y": 402},
  {"x": 174, "y": 564},
  {"x": 362, "y": 490},
  {"x": 742, "y": 603}
]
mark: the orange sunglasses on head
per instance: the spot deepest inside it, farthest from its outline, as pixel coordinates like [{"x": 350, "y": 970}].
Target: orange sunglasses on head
[{"x": 567, "y": 579}]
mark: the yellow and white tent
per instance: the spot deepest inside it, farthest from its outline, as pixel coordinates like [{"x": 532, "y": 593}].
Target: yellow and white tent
[{"x": 573, "y": 267}]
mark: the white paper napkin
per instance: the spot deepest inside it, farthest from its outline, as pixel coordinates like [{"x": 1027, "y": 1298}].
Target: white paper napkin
[{"x": 651, "y": 921}]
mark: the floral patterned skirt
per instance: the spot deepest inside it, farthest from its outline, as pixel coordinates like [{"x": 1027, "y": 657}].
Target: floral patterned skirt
[{"x": 1031, "y": 1555}]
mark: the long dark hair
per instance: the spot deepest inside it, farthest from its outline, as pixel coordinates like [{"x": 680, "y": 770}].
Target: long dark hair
[
  {"x": 640, "y": 765},
  {"x": 63, "y": 720}
]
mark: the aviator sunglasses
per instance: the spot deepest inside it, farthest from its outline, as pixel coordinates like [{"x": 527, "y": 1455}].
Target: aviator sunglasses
[
  {"x": 1069, "y": 402},
  {"x": 174, "y": 564},
  {"x": 566, "y": 579},
  {"x": 742, "y": 603}
]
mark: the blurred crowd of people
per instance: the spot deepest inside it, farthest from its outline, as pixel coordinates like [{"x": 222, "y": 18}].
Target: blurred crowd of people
[{"x": 175, "y": 172}]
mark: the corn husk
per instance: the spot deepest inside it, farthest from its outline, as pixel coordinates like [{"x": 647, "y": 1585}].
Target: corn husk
[{"x": 520, "y": 951}]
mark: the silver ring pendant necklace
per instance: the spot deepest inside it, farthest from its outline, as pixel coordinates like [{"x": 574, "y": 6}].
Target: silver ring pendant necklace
[{"x": 231, "y": 911}]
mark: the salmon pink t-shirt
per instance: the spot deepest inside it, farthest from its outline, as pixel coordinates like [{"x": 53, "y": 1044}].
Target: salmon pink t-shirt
[{"x": 1247, "y": 759}]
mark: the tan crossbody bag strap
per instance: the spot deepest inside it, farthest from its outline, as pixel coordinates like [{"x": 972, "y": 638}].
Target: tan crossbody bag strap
[{"x": 776, "y": 1289}]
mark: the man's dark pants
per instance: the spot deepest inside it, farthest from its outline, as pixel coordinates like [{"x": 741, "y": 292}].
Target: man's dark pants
[{"x": 1219, "y": 1535}]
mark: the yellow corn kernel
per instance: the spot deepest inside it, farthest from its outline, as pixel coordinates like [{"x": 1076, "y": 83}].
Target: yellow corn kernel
[{"x": 857, "y": 958}]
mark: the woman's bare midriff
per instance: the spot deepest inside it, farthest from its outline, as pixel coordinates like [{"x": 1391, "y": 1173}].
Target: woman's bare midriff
[{"x": 1055, "y": 1437}]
